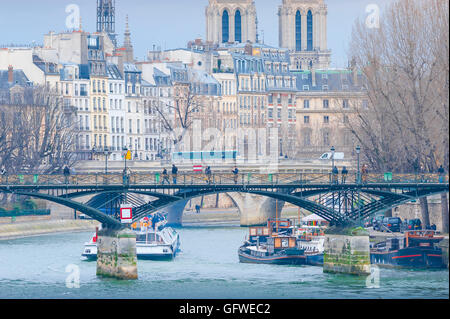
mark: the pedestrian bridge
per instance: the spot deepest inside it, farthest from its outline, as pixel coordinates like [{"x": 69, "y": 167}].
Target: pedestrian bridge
[{"x": 340, "y": 201}]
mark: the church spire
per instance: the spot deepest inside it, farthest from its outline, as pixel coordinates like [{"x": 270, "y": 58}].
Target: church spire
[
  {"x": 129, "y": 52},
  {"x": 127, "y": 35}
]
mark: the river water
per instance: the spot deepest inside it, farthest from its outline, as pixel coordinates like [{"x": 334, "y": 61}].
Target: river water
[{"x": 207, "y": 267}]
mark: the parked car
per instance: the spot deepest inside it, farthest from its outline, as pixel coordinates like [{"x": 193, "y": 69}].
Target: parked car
[
  {"x": 329, "y": 156},
  {"x": 414, "y": 224},
  {"x": 392, "y": 224},
  {"x": 376, "y": 222}
]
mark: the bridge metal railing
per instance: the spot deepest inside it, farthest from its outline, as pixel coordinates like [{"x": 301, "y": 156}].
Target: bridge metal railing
[{"x": 200, "y": 178}]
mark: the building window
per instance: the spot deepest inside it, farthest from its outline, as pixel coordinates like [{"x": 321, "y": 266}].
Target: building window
[
  {"x": 305, "y": 87},
  {"x": 326, "y": 138},
  {"x": 306, "y": 104},
  {"x": 365, "y": 104},
  {"x": 326, "y": 119},
  {"x": 225, "y": 27},
  {"x": 326, "y": 104},
  {"x": 307, "y": 138},
  {"x": 298, "y": 31},
  {"x": 309, "y": 21},
  {"x": 306, "y": 119},
  {"x": 345, "y": 104},
  {"x": 345, "y": 119},
  {"x": 237, "y": 27}
]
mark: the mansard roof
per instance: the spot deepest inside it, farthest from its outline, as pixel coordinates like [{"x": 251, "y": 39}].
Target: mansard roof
[
  {"x": 19, "y": 78},
  {"x": 334, "y": 80},
  {"x": 113, "y": 72}
]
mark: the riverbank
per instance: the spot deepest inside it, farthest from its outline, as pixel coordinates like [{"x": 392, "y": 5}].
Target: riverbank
[
  {"x": 28, "y": 227},
  {"x": 37, "y": 228}
]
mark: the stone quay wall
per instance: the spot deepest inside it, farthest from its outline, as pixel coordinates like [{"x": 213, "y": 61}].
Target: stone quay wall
[{"x": 347, "y": 254}]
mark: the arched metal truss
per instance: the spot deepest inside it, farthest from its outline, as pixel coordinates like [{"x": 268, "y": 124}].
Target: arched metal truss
[{"x": 338, "y": 204}]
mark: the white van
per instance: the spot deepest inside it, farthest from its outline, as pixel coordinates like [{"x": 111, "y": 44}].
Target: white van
[{"x": 328, "y": 156}]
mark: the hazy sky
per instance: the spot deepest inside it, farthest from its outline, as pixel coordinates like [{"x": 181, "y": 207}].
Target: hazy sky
[{"x": 165, "y": 23}]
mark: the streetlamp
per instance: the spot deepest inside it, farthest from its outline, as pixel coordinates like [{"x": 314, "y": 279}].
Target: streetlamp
[
  {"x": 125, "y": 149},
  {"x": 107, "y": 153},
  {"x": 332, "y": 156},
  {"x": 358, "y": 175}
]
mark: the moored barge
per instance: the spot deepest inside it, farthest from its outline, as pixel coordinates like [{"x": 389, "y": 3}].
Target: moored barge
[
  {"x": 279, "y": 243},
  {"x": 418, "y": 249}
]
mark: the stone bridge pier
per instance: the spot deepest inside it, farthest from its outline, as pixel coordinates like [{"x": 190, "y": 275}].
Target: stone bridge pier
[
  {"x": 116, "y": 253},
  {"x": 254, "y": 210}
]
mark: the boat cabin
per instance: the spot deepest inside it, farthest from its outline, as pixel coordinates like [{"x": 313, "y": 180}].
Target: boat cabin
[
  {"x": 281, "y": 243},
  {"x": 424, "y": 239},
  {"x": 275, "y": 227}
]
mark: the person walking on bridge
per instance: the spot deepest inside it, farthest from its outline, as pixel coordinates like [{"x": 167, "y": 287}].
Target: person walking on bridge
[
  {"x": 235, "y": 173},
  {"x": 165, "y": 176},
  {"x": 335, "y": 175},
  {"x": 3, "y": 174},
  {"x": 344, "y": 174},
  {"x": 174, "y": 173},
  {"x": 208, "y": 174},
  {"x": 441, "y": 172},
  {"x": 66, "y": 172},
  {"x": 364, "y": 172}
]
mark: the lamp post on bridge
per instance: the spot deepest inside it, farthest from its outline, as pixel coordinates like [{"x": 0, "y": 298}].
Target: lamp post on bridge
[
  {"x": 107, "y": 153},
  {"x": 358, "y": 182},
  {"x": 333, "y": 152},
  {"x": 332, "y": 156},
  {"x": 358, "y": 174}
]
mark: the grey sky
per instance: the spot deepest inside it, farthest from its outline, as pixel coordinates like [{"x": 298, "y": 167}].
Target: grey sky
[{"x": 165, "y": 23}]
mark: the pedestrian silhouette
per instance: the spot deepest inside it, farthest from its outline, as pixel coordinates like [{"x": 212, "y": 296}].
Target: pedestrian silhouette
[
  {"x": 165, "y": 177},
  {"x": 344, "y": 174},
  {"x": 174, "y": 173}
]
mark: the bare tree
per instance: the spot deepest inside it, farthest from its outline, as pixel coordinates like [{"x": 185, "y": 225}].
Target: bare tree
[
  {"x": 37, "y": 133},
  {"x": 405, "y": 63},
  {"x": 177, "y": 119}
]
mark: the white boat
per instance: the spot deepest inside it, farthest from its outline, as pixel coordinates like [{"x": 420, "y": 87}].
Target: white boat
[
  {"x": 312, "y": 241},
  {"x": 151, "y": 244}
]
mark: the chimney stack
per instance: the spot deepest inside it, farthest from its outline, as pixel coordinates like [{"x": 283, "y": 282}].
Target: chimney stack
[
  {"x": 10, "y": 74},
  {"x": 313, "y": 76}
]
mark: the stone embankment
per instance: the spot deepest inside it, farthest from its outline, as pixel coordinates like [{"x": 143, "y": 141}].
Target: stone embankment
[{"x": 36, "y": 228}]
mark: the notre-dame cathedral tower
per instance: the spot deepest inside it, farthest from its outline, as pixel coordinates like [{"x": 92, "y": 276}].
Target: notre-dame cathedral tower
[
  {"x": 303, "y": 30},
  {"x": 230, "y": 21},
  {"x": 106, "y": 18}
]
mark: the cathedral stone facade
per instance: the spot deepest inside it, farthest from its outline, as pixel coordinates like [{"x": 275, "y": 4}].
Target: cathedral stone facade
[
  {"x": 303, "y": 30},
  {"x": 231, "y": 21}
]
